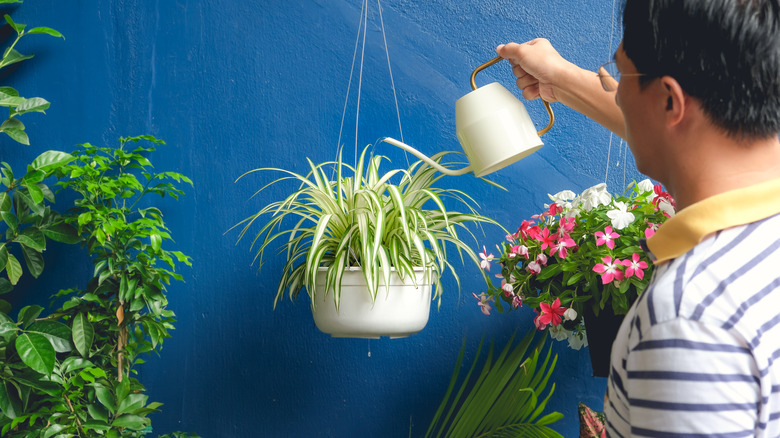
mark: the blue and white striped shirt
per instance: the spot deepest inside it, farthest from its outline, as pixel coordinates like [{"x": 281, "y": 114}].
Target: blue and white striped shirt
[{"x": 696, "y": 354}]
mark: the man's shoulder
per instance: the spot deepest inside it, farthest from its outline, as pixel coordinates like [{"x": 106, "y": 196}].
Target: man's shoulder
[{"x": 729, "y": 272}]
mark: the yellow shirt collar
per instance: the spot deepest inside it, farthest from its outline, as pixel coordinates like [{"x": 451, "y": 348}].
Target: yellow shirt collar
[{"x": 680, "y": 233}]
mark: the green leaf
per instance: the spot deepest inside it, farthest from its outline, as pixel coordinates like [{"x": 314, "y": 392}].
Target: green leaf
[
  {"x": 97, "y": 412},
  {"x": 53, "y": 430},
  {"x": 10, "y": 404},
  {"x": 33, "y": 260},
  {"x": 83, "y": 334},
  {"x": 51, "y": 160},
  {"x": 3, "y": 257},
  {"x": 131, "y": 403},
  {"x": 58, "y": 334},
  {"x": 156, "y": 241},
  {"x": 36, "y": 352},
  {"x": 5, "y": 286},
  {"x": 33, "y": 238},
  {"x": 105, "y": 397},
  {"x": 17, "y": 27},
  {"x": 33, "y": 104},
  {"x": 44, "y": 30},
  {"x": 28, "y": 314},
  {"x": 10, "y": 219},
  {"x": 133, "y": 422},
  {"x": 62, "y": 232},
  {"x": 15, "y": 129},
  {"x": 5, "y": 202}
]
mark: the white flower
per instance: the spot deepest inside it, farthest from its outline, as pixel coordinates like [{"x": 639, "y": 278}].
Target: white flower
[
  {"x": 578, "y": 340},
  {"x": 563, "y": 199},
  {"x": 593, "y": 197},
  {"x": 666, "y": 206},
  {"x": 620, "y": 217},
  {"x": 645, "y": 186},
  {"x": 570, "y": 314},
  {"x": 559, "y": 333}
]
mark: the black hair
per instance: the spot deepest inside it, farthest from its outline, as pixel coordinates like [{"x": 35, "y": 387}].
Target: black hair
[{"x": 725, "y": 53}]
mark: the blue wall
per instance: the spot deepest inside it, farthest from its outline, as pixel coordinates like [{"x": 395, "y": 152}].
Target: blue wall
[{"x": 234, "y": 85}]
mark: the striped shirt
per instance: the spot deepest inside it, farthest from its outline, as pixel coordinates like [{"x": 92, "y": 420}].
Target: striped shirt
[{"x": 696, "y": 354}]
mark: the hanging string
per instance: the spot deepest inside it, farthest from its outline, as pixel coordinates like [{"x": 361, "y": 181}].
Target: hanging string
[
  {"x": 392, "y": 82},
  {"x": 360, "y": 78},
  {"x": 351, "y": 70},
  {"x": 609, "y": 56}
]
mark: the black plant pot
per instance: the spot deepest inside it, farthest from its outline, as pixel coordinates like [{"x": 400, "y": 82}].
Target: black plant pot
[{"x": 601, "y": 331}]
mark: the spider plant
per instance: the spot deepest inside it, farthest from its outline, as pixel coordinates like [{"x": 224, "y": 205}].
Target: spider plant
[
  {"x": 342, "y": 216},
  {"x": 505, "y": 399}
]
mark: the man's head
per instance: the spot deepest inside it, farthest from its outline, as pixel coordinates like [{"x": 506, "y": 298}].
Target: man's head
[{"x": 725, "y": 53}]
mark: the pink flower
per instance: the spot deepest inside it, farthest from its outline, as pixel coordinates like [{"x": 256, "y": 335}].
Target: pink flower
[
  {"x": 518, "y": 250},
  {"x": 485, "y": 263},
  {"x": 483, "y": 303},
  {"x": 635, "y": 266},
  {"x": 546, "y": 239},
  {"x": 538, "y": 322},
  {"x": 507, "y": 288},
  {"x": 534, "y": 232},
  {"x": 566, "y": 225},
  {"x": 607, "y": 237},
  {"x": 554, "y": 209},
  {"x": 523, "y": 230},
  {"x": 541, "y": 259},
  {"x": 551, "y": 313},
  {"x": 534, "y": 267},
  {"x": 609, "y": 270},
  {"x": 561, "y": 245},
  {"x": 517, "y": 301},
  {"x": 650, "y": 230},
  {"x": 660, "y": 195}
]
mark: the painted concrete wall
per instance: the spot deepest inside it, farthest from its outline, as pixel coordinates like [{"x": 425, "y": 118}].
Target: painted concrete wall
[{"x": 234, "y": 85}]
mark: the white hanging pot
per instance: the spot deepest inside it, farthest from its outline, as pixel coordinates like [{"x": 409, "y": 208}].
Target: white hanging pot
[{"x": 397, "y": 313}]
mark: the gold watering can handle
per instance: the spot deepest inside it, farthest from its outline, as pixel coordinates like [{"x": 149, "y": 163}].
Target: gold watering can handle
[{"x": 546, "y": 104}]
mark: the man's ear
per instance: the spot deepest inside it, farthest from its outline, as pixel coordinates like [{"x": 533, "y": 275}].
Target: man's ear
[{"x": 676, "y": 104}]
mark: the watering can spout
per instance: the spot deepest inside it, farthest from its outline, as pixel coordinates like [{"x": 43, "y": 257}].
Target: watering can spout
[{"x": 493, "y": 128}]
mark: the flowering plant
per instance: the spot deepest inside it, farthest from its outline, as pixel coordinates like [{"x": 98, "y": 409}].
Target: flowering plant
[{"x": 581, "y": 251}]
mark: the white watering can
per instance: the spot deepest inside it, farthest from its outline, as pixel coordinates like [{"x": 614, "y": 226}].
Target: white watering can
[{"x": 493, "y": 128}]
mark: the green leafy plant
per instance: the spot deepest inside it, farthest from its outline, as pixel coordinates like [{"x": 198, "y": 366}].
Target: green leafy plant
[
  {"x": 341, "y": 216},
  {"x": 27, "y": 218},
  {"x": 505, "y": 399},
  {"x": 9, "y": 97},
  {"x": 71, "y": 373}
]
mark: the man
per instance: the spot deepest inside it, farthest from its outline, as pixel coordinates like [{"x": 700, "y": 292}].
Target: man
[{"x": 697, "y": 97}]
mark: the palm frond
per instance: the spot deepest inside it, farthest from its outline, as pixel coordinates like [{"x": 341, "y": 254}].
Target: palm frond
[{"x": 505, "y": 399}]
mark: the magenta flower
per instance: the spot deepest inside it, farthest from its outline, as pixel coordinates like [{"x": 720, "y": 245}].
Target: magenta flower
[
  {"x": 650, "y": 230},
  {"x": 517, "y": 301},
  {"x": 566, "y": 225},
  {"x": 635, "y": 266},
  {"x": 561, "y": 245},
  {"x": 548, "y": 241},
  {"x": 551, "y": 313},
  {"x": 518, "y": 250},
  {"x": 607, "y": 237},
  {"x": 609, "y": 270}
]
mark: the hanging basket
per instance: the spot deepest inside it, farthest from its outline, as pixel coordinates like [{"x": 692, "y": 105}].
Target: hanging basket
[
  {"x": 601, "y": 331},
  {"x": 397, "y": 313}
]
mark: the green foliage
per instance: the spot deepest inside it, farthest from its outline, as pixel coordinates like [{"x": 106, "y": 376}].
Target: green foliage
[
  {"x": 9, "y": 97},
  {"x": 342, "y": 216},
  {"x": 505, "y": 399},
  {"x": 70, "y": 373},
  {"x": 27, "y": 219}
]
